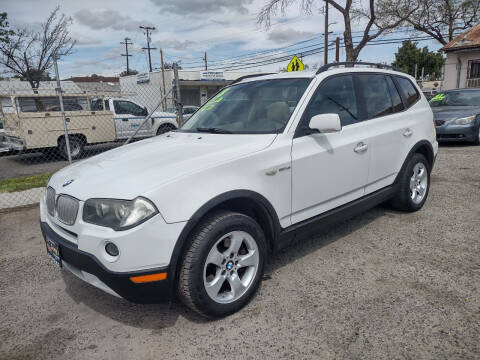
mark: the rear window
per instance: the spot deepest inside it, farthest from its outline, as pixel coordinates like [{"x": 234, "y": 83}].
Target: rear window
[{"x": 408, "y": 90}]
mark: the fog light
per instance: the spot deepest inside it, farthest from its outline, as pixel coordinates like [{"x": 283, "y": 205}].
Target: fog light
[{"x": 111, "y": 249}]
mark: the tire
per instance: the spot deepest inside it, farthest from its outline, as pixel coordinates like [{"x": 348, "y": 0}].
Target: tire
[
  {"x": 208, "y": 269},
  {"x": 76, "y": 147},
  {"x": 477, "y": 137},
  {"x": 414, "y": 185},
  {"x": 162, "y": 129}
]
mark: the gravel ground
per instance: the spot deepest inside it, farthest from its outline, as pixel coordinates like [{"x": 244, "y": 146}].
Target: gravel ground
[{"x": 384, "y": 285}]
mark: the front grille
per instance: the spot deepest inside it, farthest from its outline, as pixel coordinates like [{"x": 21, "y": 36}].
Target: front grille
[
  {"x": 51, "y": 201},
  {"x": 67, "y": 209},
  {"x": 439, "y": 122}
]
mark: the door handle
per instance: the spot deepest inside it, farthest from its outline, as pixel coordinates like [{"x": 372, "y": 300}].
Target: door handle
[
  {"x": 361, "y": 147},
  {"x": 407, "y": 133},
  {"x": 125, "y": 119}
]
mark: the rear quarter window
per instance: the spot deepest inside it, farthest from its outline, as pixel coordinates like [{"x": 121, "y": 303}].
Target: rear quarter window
[{"x": 408, "y": 90}]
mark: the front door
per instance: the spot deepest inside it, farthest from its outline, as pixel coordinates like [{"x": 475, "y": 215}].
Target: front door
[
  {"x": 128, "y": 118},
  {"x": 329, "y": 170}
]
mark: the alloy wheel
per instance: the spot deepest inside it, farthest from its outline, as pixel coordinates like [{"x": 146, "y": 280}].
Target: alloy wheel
[
  {"x": 418, "y": 183},
  {"x": 231, "y": 266}
]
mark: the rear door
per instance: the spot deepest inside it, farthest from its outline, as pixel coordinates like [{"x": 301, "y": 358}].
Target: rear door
[
  {"x": 128, "y": 118},
  {"x": 390, "y": 125},
  {"x": 329, "y": 170}
]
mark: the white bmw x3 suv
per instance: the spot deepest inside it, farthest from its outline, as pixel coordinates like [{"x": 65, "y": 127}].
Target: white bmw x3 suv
[{"x": 270, "y": 159}]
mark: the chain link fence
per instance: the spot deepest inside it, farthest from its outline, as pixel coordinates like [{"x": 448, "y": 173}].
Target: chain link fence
[{"x": 45, "y": 129}]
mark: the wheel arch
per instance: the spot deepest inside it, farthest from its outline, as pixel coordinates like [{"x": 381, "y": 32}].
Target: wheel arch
[
  {"x": 81, "y": 136},
  {"x": 423, "y": 147},
  {"x": 246, "y": 202}
]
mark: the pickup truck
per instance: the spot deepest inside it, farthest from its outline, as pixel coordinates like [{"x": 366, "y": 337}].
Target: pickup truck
[
  {"x": 128, "y": 116},
  {"x": 34, "y": 122}
]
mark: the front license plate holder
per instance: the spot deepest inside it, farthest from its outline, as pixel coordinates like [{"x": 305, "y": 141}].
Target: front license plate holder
[{"x": 54, "y": 251}]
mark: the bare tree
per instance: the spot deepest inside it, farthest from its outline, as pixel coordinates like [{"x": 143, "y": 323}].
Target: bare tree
[
  {"x": 438, "y": 18},
  {"x": 365, "y": 16},
  {"x": 29, "y": 54}
]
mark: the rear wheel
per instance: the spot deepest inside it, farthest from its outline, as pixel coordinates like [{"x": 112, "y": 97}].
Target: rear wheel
[
  {"x": 224, "y": 264},
  {"x": 162, "y": 129},
  {"x": 76, "y": 147},
  {"x": 414, "y": 185}
]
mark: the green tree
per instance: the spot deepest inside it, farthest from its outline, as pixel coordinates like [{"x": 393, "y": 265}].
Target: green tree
[
  {"x": 5, "y": 32},
  {"x": 409, "y": 55}
]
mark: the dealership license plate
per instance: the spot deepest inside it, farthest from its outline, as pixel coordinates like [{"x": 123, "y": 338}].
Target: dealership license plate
[{"x": 54, "y": 251}]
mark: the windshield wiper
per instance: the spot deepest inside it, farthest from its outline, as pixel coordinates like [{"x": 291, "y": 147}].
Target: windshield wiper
[{"x": 213, "y": 130}]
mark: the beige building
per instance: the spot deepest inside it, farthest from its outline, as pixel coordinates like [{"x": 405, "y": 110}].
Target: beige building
[{"x": 462, "y": 65}]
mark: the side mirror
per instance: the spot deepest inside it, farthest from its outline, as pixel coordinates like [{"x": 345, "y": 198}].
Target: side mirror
[{"x": 325, "y": 123}]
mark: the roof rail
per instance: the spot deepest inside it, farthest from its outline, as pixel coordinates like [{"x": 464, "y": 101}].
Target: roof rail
[
  {"x": 353, "y": 64},
  {"x": 249, "y": 76}
]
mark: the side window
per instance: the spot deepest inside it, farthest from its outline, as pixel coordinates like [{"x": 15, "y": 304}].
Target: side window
[
  {"x": 408, "y": 91},
  {"x": 376, "y": 95},
  {"x": 396, "y": 99},
  {"x": 335, "y": 95},
  {"x": 107, "y": 105},
  {"x": 127, "y": 107}
]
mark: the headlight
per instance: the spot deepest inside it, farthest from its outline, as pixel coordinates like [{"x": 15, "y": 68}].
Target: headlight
[
  {"x": 118, "y": 214},
  {"x": 464, "y": 121}
]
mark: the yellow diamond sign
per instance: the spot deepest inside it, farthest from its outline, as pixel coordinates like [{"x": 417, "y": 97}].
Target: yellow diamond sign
[{"x": 295, "y": 64}]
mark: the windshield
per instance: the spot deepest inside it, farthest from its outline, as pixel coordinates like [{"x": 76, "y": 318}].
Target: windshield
[
  {"x": 457, "y": 98},
  {"x": 257, "y": 107}
]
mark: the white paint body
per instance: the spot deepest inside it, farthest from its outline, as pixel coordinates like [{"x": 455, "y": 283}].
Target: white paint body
[
  {"x": 180, "y": 172},
  {"x": 127, "y": 124}
]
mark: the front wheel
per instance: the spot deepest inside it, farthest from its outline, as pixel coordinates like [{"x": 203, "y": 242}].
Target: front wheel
[
  {"x": 414, "y": 185},
  {"x": 476, "y": 141},
  {"x": 224, "y": 264}
]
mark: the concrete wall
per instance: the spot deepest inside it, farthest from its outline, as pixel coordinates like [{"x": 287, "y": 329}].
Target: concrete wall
[{"x": 452, "y": 65}]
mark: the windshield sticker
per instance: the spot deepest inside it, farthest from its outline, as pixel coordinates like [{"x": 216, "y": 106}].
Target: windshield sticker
[
  {"x": 438, "y": 97},
  {"x": 218, "y": 98}
]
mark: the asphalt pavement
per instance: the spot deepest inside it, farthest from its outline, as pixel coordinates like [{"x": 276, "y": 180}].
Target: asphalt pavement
[{"x": 383, "y": 285}]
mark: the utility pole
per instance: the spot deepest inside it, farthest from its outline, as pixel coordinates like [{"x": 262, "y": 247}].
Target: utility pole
[
  {"x": 325, "y": 49},
  {"x": 205, "y": 59},
  {"x": 126, "y": 43},
  {"x": 147, "y": 29},
  {"x": 178, "y": 102},
  {"x": 337, "y": 49},
  {"x": 163, "y": 79}
]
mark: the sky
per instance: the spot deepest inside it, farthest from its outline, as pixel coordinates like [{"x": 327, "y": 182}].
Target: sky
[{"x": 185, "y": 29}]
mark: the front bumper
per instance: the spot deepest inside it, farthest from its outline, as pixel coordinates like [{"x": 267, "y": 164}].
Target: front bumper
[
  {"x": 89, "y": 269},
  {"x": 449, "y": 132}
]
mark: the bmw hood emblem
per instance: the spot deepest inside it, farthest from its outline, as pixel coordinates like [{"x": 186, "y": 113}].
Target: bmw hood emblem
[{"x": 67, "y": 182}]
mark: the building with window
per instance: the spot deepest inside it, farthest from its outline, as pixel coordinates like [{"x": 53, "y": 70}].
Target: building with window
[{"x": 462, "y": 66}]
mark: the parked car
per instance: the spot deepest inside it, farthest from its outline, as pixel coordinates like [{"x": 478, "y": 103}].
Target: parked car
[
  {"x": 187, "y": 111},
  {"x": 269, "y": 159},
  {"x": 430, "y": 94},
  {"x": 457, "y": 115}
]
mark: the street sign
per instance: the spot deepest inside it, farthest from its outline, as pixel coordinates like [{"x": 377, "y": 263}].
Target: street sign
[{"x": 295, "y": 64}]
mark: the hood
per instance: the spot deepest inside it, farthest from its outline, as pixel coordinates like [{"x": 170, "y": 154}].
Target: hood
[
  {"x": 132, "y": 170},
  {"x": 454, "y": 112}
]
